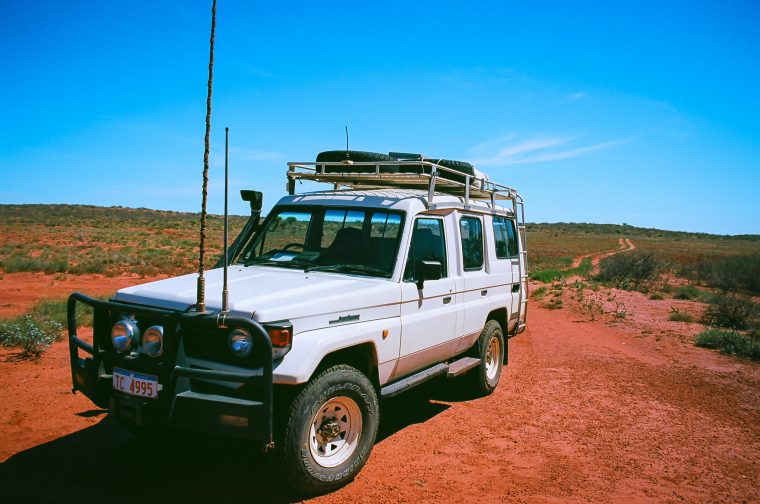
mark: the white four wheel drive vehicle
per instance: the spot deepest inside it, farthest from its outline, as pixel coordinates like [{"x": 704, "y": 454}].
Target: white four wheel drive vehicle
[{"x": 405, "y": 270}]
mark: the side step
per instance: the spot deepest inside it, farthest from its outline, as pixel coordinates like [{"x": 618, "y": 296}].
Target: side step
[
  {"x": 462, "y": 365},
  {"x": 456, "y": 368},
  {"x": 396, "y": 388}
]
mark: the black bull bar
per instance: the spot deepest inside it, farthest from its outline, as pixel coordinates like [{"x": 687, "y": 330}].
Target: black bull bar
[{"x": 177, "y": 405}]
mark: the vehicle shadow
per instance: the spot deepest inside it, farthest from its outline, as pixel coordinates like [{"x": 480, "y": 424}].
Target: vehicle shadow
[{"x": 104, "y": 463}]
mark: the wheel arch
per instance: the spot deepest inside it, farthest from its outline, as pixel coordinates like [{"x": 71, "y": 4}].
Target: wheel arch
[
  {"x": 501, "y": 315},
  {"x": 363, "y": 357}
]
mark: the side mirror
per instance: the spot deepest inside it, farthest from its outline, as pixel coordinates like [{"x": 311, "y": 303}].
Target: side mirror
[{"x": 428, "y": 270}]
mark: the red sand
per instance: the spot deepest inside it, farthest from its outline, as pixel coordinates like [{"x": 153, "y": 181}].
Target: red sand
[{"x": 585, "y": 412}]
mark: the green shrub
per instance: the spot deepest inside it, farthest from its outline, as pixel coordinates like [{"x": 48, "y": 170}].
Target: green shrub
[
  {"x": 539, "y": 293},
  {"x": 729, "y": 342},
  {"x": 687, "y": 292},
  {"x": 31, "y": 337},
  {"x": 732, "y": 311},
  {"x": 656, "y": 296},
  {"x": 679, "y": 316},
  {"x": 546, "y": 276},
  {"x": 629, "y": 268},
  {"x": 729, "y": 272}
]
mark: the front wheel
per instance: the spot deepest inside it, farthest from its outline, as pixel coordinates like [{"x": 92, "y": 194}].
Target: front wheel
[
  {"x": 329, "y": 431},
  {"x": 490, "y": 347}
]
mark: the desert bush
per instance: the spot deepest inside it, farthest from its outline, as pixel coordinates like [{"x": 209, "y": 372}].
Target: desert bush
[
  {"x": 679, "y": 316},
  {"x": 729, "y": 272},
  {"x": 539, "y": 293},
  {"x": 729, "y": 342},
  {"x": 19, "y": 263},
  {"x": 656, "y": 296},
  {"x": 688, "y": 292},
  {"x": 732, "y": 311},
  {"x": 551, "y": 274},
  {"x": 629, "y": 268},
  {"x": 30, "y": 336}
]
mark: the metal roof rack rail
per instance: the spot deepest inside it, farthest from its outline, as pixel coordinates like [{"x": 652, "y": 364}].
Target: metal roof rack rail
[{"x": 441, "y": 179}]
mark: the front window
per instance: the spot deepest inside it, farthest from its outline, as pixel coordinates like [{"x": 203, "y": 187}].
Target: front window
[{"x": 354, "y": 241}]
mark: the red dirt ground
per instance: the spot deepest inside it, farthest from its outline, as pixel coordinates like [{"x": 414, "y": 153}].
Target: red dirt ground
[
  {"x": 21, "y": 291},
  {"x": 584, "y": 412}
]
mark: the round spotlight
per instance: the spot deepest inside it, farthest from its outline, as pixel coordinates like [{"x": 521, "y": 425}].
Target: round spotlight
[
  {"x": 123, "y": 334},
  {"x": 241, "y": 342},
  {"x": 153, "y": 341}
]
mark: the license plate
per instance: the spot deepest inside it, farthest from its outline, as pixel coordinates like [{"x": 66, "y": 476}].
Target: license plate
[{"x": 136, "y": 384}]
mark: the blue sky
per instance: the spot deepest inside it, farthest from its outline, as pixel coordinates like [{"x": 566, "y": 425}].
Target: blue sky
[{"x": 646, "y": 113}]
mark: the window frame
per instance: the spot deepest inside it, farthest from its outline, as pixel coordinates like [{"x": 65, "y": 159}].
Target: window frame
[
  {"x": 508, "y": 224},
  {"x": 444, "y": 267},
  {"x": 482, "y": 243}
]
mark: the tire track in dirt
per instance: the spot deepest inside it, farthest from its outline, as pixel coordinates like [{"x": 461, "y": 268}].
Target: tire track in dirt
[{"x": 624, "y": 245}]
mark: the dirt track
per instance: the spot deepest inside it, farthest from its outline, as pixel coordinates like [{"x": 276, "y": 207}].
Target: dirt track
[{"x": 585, "y": 412}]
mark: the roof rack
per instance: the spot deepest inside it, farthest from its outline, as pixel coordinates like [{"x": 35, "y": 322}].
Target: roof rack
[{"x": 369, "y": 175}]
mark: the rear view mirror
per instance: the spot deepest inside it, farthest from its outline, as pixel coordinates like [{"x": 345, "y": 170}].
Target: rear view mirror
[{"x": 427, "y": 270}]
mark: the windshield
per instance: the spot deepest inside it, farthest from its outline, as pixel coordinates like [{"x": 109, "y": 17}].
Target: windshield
[{"x": 347, "y": 240}]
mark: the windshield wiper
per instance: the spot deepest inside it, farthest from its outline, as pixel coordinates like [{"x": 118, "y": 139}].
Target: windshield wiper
[{"x": 349, "y": 268}]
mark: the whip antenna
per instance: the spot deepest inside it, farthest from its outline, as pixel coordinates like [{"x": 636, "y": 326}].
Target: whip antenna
[
  {"x": 346, "y": 142},
  {"x": 201, "y": 304},
  {"x": 225, "y": 293}
]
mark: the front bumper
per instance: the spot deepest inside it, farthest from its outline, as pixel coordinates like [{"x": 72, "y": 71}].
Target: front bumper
[{"x": 179, "y": 404}]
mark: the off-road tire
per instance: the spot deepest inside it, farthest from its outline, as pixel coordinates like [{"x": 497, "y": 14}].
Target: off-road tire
[
  {"x": 358, "y": 156},
  {"x": 297, "y": 445},
  {"x": 484, "y": 378},
  {"x": 460, "y": 166}
]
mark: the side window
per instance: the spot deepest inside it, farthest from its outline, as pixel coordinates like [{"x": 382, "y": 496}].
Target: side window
[
  {"x": 428, "y": 244},
  {"x": 501, "y": 241},
  {"x": 512, "y": 238},
  {"x": 471, "y": 231}
]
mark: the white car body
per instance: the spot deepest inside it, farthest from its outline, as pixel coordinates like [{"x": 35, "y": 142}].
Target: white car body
[{"x": 406, "y": 328}]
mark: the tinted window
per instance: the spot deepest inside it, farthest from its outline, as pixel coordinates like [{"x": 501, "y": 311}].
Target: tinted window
[
  {"x": 501, "y": 241},
  {"x": 472, "y": 242},
  {"x": 328, "y": 239},
  {"x": 512, "y": 236},
  {"x": 428, "y": 244}
]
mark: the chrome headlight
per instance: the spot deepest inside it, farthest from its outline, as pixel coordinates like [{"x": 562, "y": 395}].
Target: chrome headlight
[
  {"x": 241, "y": 342},
  {"x": 153, "y": 341},
  {"x": 123, "y": 334}
]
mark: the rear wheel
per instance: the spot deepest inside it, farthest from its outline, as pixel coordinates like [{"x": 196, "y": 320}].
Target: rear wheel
[
  {"x": 490, "y": 349},
  {"x": 329, "y": 431}
]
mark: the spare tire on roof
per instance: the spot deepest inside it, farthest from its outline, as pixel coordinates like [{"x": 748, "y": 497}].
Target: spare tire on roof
[
  {"x": 460, "y": 166},
  {"x": 357, "y": 156}
]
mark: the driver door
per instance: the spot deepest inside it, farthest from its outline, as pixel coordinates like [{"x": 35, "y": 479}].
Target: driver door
[{"x": 428, "y": 315}]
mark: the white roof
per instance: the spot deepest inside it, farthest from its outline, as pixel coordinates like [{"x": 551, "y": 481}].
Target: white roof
[{"x": 410, "y": 200}]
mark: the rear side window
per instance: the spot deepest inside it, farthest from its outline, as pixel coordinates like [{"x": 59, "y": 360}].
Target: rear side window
[
  {"x": 471, "y": 231},
  {"x": 428, "y": 244},
  {"x": 512, "y": 238},
  {"x": 505, "y": 240}
]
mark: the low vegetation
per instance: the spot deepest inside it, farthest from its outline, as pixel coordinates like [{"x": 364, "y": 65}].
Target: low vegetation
[
  {"x": 729, "y": 342},
  {"x": 29, "y": 335},
  {"x": 733, "y": 311},
  {"x": 630, "y": 269},
  {"x": 680, "y": 316}
]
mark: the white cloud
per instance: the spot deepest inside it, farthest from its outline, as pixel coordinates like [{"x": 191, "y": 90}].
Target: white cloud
[
  {"x": 577, "y": 96},
  {"x": 536, "y": 150}
]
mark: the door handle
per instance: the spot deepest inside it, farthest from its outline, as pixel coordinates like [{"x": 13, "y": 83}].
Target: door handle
[
  {"x": 484, "y": 292},
  {"x": 447, "y": 300},
  {"x": 516, "y": 287}
]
